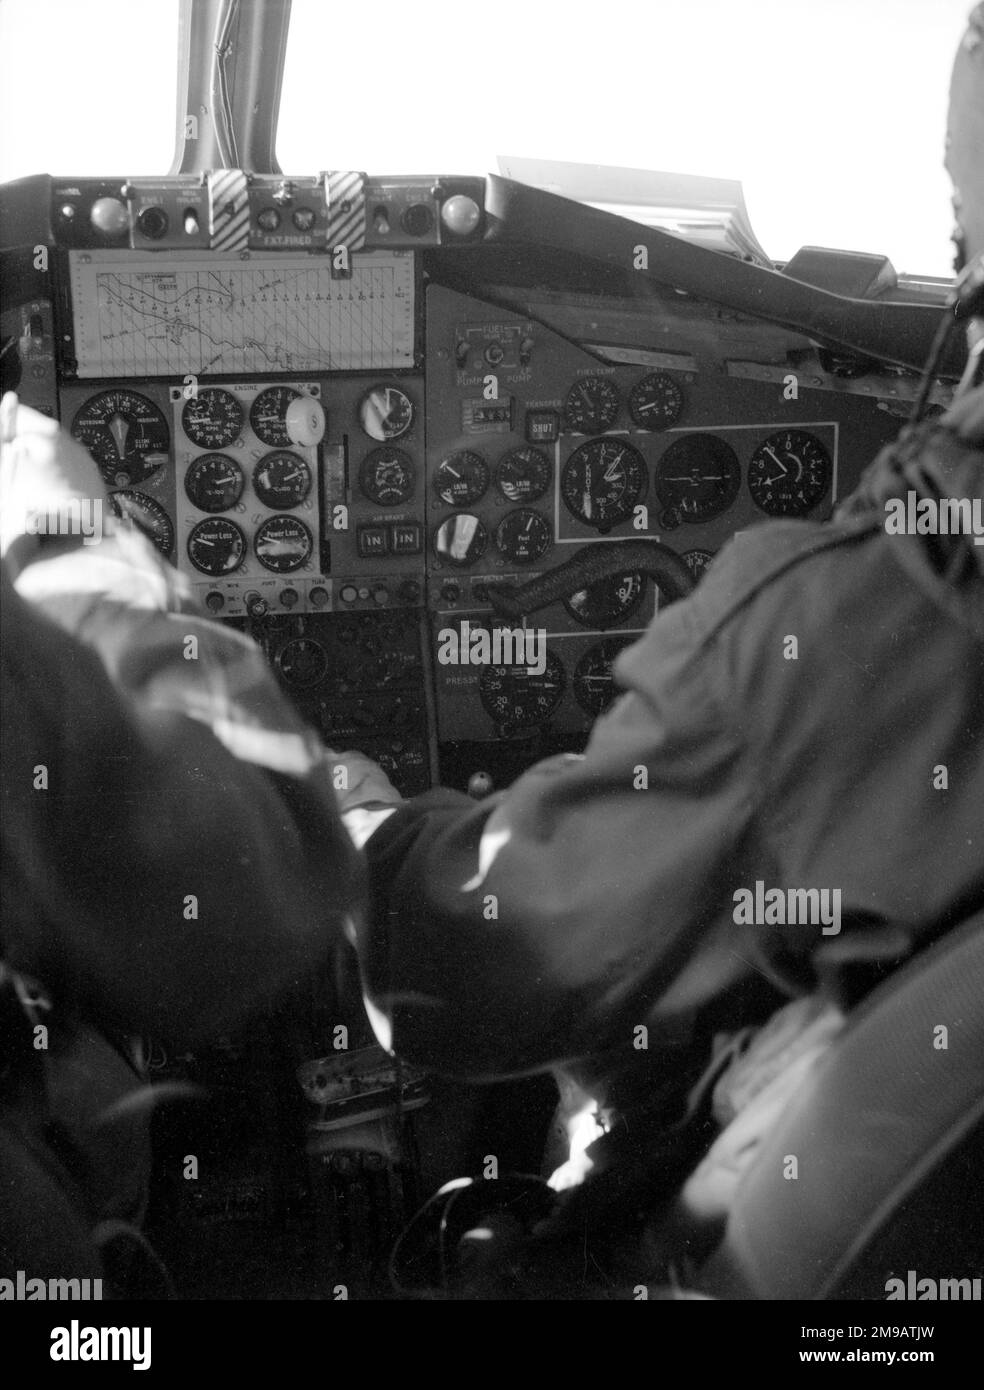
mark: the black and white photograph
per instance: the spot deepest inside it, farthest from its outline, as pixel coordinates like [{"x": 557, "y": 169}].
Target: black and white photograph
[{"x": 492, "y": 771}]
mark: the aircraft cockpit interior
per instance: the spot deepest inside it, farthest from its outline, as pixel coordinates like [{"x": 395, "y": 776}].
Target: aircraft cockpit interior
[{"x": 485, "y": 468}]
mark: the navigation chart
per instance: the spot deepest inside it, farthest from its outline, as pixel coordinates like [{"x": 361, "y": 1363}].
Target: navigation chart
[{"x": 139, "y": 316}]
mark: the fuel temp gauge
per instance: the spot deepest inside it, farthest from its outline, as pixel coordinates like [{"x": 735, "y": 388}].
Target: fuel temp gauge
[
  {"x": 592, "y": 405},
  {"x": 519, "y": 699}
]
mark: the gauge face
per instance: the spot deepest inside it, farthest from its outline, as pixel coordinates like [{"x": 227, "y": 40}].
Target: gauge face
[
  {"x": 523, "y": 536},
  {"x": 387, "y": 477},
  {"x": 655, "y": 402},
  {"x": 592, "y": 405},
  {"x": 126, "y": 435},
  {"x": 697, "y": 562},
  {"x": 461, "y": 478},
  {"x": 516, "y": 699},
  {"x": 213, "y": 418},
  {"x": 789, "y": 473},
  {"x": 283, "y": 544},
  {"x": 148, "y": 516},
  {"x": 461, "y": 540},
  {"x": 385, "y": 413},
  {"x": 216, "y": 546},
  {"x": 302, "y": 662},
  {"x": 214, "y": 483},
  {"x": 698, "y": 477},
  {"x": 608, "y": 601},
  {"x": 523, "y": 475},
  {"x": 602, "y": 481},
  {"x": 268, "y": 415},
  {"x": 281, "y": 480},
  {"x": 593, "y": 684}
]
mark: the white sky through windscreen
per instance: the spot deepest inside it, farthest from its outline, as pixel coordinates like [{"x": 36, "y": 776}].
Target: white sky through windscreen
[{"x": 830, "y": 112}]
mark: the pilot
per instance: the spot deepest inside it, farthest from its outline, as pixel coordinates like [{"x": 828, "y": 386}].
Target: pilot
[
  {"x": 786, "y": 796},
  {"x": 172, "y": 851}
]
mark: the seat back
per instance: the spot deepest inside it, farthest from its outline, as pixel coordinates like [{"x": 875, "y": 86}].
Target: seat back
[{"x": 875, "y": 1170}]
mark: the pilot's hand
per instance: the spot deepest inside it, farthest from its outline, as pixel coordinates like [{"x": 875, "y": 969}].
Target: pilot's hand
[
  {"x": 366, "y": 796},
  {"x": 41, "y": 469}
]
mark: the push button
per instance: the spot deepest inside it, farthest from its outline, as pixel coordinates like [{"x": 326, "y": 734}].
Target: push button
[
  {"x": 406, "y": 538},
  {"x": 371, "y": 540},
  {"x": 542, "y": 426}
]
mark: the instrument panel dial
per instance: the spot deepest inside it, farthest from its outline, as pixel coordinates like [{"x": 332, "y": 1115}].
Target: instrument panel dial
[
  {"x": 518, "y": 699},
  {"x": 593, "y": 683},
  {"x": 789, "y": 473},
  {"x": 698, "y": 477},
  {"x": 592, "y": 405},
  {"x": 655, "y": 402},
  {"x": 462, "y": 478},
  {"x": 523, "y": 536},
  {"x": 523, "y": 475},
  {"x": 386, "y": 413},
  {"x": 214, "y": 483},
  {"x": 216, "y": 546},
  {"x": 125, "y": 433},
  {"x": 387, "y": 477},
  {"x": 213, "y": 418},
  {"x": 602, "y": 481},
  {"x": 268, "y": 415},
  {"x": 283, "y": 544},
  {"x": 461, "y": 540},
  {"x": 147, "y": 515},
  {"x": 282, "y": 480},
  {"x": 608, "y": 601}
]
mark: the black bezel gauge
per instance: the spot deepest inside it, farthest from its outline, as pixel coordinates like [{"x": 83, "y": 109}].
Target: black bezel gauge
[
  {"x": 213, "y": 418},
  {"x": 386, "y": 413},
  {"x": 147, "y": 515},
  {"x": 523, "y": 475},
  {"x": 214, "y": 482},
  {"x": 517, "y": 698},
  {"x": 125, "y": 433},
  {"x": 523, "y": 536},
  {"x": 593, "y": 683},
  {"x": 461, "y": 540},
  {"x": 461, "y": 478},
  {"x": 268, "y": 416},
  {"x": 302, "y": 662},
  {"x": 789, "y": 473},
  {"x": 607, "y": 601},
  {"x": 387, "y": 477},
  {"x": 283, "y": 544},
  {"x": 281, "y": 480},
  {"x": 655, "y": 402},
  {"x": 698, "y": 562},
  {"x": 698, "y": 477},
  {"x": 602, "y": 481},
  {"x": 216, "y": 546},
  {"x": 592, "y": 405}
]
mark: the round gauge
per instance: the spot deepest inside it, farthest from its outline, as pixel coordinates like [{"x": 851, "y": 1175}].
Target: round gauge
[
  {"x": 517, "y": 699},
  {"x": 385, "y": 413},
  {"x": 607, "y": 602},
  {"x": 281, "y": 480},
  {"x": 125, "y": 433},
  {"x": 697, "y": 562},
  {"x": 592, "y": 405},
  {"x": 523, "y": 536},
  {"x": 268, "y": 415},
  {"x": 523, "y": 475},
  {"x": 593, "y": 684},
  {"x": 213, "y": 418},
  {"x": 461, "y": 540},
  {"x": 789, "y": 473},
  {"x": 387, "y": 477},
  {"x": 602, "y": 481},
  {"x": 214, "y": 483},
  {"x": 283, "y": 544},
  {"x": 698, "y": 477},
  {"x": 147, "y": 515},
  {"x": 303, "y": 662},
  {"x": 461, "y": 478},
  {"x": 655, "y": 402},
  {"x": 216, "y": 546}
]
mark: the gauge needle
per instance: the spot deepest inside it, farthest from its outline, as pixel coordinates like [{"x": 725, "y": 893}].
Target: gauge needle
[
  {"x": 119, "y": 428},
  {"x": 449, "y": 469},
  {"x": 772, "y": 454}
]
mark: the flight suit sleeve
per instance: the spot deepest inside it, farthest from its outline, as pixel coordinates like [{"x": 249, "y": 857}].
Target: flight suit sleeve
[{"x": 547, "y": 922}]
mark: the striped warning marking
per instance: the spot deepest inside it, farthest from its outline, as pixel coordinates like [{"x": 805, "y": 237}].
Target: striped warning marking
[
  {"x": 228, "y": 210},
  {"x": 345, "y": 194}
]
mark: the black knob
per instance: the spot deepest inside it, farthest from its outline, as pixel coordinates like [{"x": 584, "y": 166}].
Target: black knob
[{"x": 152, "y": 223}]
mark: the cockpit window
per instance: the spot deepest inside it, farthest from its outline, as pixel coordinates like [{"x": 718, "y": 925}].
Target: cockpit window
[
  {"x": 87, "y": 86},
  {"x": 832, "y": 115}
]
